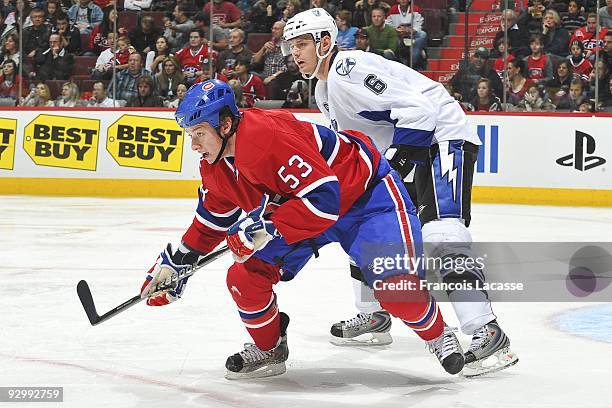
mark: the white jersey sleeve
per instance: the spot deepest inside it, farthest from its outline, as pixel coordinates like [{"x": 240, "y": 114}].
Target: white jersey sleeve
[{"x": 390, "y": 102}]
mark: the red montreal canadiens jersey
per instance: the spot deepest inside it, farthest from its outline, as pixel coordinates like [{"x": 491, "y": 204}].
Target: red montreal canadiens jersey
[
  {"x": 253, "y": 89},
  {"x": 315, "y": 174},
  {"x": 190, "y": 61},
  {"x": 535, "y": 67},
  {"x": 588, "y": 40},
  {"x": 583, "y": 68}
]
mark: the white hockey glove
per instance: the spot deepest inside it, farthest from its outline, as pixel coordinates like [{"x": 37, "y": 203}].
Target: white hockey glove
[
  {"x": 167, "y": 269},
  {"x": 251, "y": 233}
]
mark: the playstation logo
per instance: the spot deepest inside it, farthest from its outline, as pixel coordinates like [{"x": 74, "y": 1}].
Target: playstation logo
[{"x": 579, "y": 158}]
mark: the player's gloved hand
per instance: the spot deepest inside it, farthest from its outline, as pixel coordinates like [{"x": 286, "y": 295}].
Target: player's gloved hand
[
  {"x": 251, "y": 233},
  {"x": 166, "y": 271},
  {"x": 404, "y": 159}
]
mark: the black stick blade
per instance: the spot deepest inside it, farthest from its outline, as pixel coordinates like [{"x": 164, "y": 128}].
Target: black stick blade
[{"x": 87, "y": 302}]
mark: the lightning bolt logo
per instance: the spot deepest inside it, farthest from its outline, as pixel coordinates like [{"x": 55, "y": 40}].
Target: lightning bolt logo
[{"x": 447, "y": 167}]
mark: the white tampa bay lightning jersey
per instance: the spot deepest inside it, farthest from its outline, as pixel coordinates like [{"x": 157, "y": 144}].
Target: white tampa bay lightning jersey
[{"x": 390, "y": 102}]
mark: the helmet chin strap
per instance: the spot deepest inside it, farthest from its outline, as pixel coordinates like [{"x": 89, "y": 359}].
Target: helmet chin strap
[
  {"x": 320, "y": 59},
  {"x": 224, "y": 141}
]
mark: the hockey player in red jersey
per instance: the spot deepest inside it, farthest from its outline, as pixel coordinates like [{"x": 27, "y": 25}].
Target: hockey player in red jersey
[{"x": 303, "y": 186}]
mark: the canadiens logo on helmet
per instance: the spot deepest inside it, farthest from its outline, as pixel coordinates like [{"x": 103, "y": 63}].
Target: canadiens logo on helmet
[
  {"x": 208, "y": 86},
  {"x": 345, "y": 66}
]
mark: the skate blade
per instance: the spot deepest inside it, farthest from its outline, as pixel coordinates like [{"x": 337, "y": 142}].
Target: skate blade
[
  {"x": 263, "y": 372},
  {"x": 366, "y": 339},
  {"x": 501, "y": 360}
]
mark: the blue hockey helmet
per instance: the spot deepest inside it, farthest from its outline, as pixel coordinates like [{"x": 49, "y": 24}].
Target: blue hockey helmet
[{"x": 203, "y": 102}]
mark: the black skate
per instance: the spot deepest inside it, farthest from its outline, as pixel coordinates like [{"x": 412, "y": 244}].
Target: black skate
[
  {"x": 489, "y": 351},
  {"x": 448, "y": 350},
  {"x": 366, "y": 329},
  {"x": 255, "y": 363}
]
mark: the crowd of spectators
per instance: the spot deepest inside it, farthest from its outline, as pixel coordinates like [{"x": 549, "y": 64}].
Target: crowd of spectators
[
  {"x": 542, "y": 56},
  {"x": 543, "y": 59},
  {"x": 153, "y": 58}
]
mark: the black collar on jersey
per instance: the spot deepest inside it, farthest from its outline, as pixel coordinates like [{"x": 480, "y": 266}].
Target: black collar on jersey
[{"x": 331, "y": 60}]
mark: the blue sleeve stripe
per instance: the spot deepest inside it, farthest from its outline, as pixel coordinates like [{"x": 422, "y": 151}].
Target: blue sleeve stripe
[
  {"x": 216, "y": 221},
  {"x": 328, "y": 142},
  {"x": 378, "y": 116},
  {"x": 413, "y": 137},
  {"x": 324, "y": 200}
]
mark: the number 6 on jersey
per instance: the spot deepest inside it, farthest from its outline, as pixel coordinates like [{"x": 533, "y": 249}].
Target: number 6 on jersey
[{"x": 289, "y": 177}]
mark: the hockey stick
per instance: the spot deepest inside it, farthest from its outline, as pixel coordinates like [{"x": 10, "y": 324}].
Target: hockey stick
[{"x": 90, "y": 308}]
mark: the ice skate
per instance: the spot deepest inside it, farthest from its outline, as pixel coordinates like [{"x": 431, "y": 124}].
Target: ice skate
[
  {"x": 448, "y": 350},
  {"x": 488, "y": 352},
  {"x": 252, "y": 362},
  {"x": 366, "y": 329}
]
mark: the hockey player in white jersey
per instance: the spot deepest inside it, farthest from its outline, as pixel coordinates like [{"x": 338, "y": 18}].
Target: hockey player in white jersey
[{"x": 424, "y": 134}]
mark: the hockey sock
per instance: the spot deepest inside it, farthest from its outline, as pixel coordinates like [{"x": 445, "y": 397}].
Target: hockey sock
[
  {"x": 415, "y": 306},
  {"x": 250, "y": 285}
]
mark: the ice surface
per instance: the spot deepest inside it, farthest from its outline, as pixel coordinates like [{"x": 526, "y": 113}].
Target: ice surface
[{"x": 174, "y": 356}]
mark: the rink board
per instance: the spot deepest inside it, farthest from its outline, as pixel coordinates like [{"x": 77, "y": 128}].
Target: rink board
[{"x": 547, "y": 159}]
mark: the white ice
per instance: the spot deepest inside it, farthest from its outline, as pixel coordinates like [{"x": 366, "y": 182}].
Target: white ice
[{"x": 174, "y": 356}]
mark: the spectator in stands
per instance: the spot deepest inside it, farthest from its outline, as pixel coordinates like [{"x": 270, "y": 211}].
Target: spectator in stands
[
  {"x": 534, "y": 16},
  {"x": 103, "y": 4},
  {"x": 485, "y": 99},
  {"x": 291, "y": 9},
  {"x": 604, "y": 76},
  {"x": 98, "y": 41},
  {"x": 535, "y": 101},
  {"x": 517, "y": 84},
  {"x": 195, "y": 54},
  {"x": 539, "y": 65},
  {"x": 362, "y": 42},
  {"x": 36, "y": 36},
  {"x": 606, "y": 101},
  {"x": 168, "y": 80},
  {"x": 606, "y": 53},
  {"x": 40, "y": 95},
  {"x": 181, "y": 90},
  {"x": 124, "y": 50},
  {"x": 518, "y": 36},
  {"x": 464, "y": 83},
  {"x": 225, "y": 14},
  {"x": 331, "y": 8},
  {"x": 253, "y": 87},
  {"x": 362, "y": 16},
  {"x": 137, "y": 5},
  {"x": 562, "y": 78},
  {"x": 9, "y": 83},
  {"x": 381, "y": 36},
  {"x": 586, "y": 35},
  {"x": 10, "y": 49},
  {"x": 156, "y": 56},
  {"x": 126, "y": 79},
  {"x": 285, "y": 80},
  {"x": 69, "y": 97},
  {"x": 556, "y": 38},
  {"x": 219, "y": 40},
  {"x": 144, "y": 36},
  {"x": 270, "y": 57},
  {"x": 99, "y": 98},
  {"x": 500, "y": 57},
  {"x": 605, "y": 15},
  {"x": 23, "y": 7},
  {"x": 7, "y": 7},
  {"x": 408, "y": 23},
  {"x": 207, "y": 72},
  {"x": 5, "y": 29},
  {"x": 52, "y": 10},
  {"x": 237, "y": 88},
  {"x": 104, "y": 64},
  {"x": 145, "y": 98},
  {"x": 572, "y": 99},
  {"x": 177, "y": 31},
  {"x": 260, "y": 18},
  {"x": 54, "y": 62},
  {"x": 346, "y": 33},
  {"x": 297, "y": 97},
  {"x": 574, "y": 18},
  {"x": 71, "y": 37},
  {"x": 227, "y": 59},
  {"x": 85, "y": 16},
  {"x": 581, "y": 67}
]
